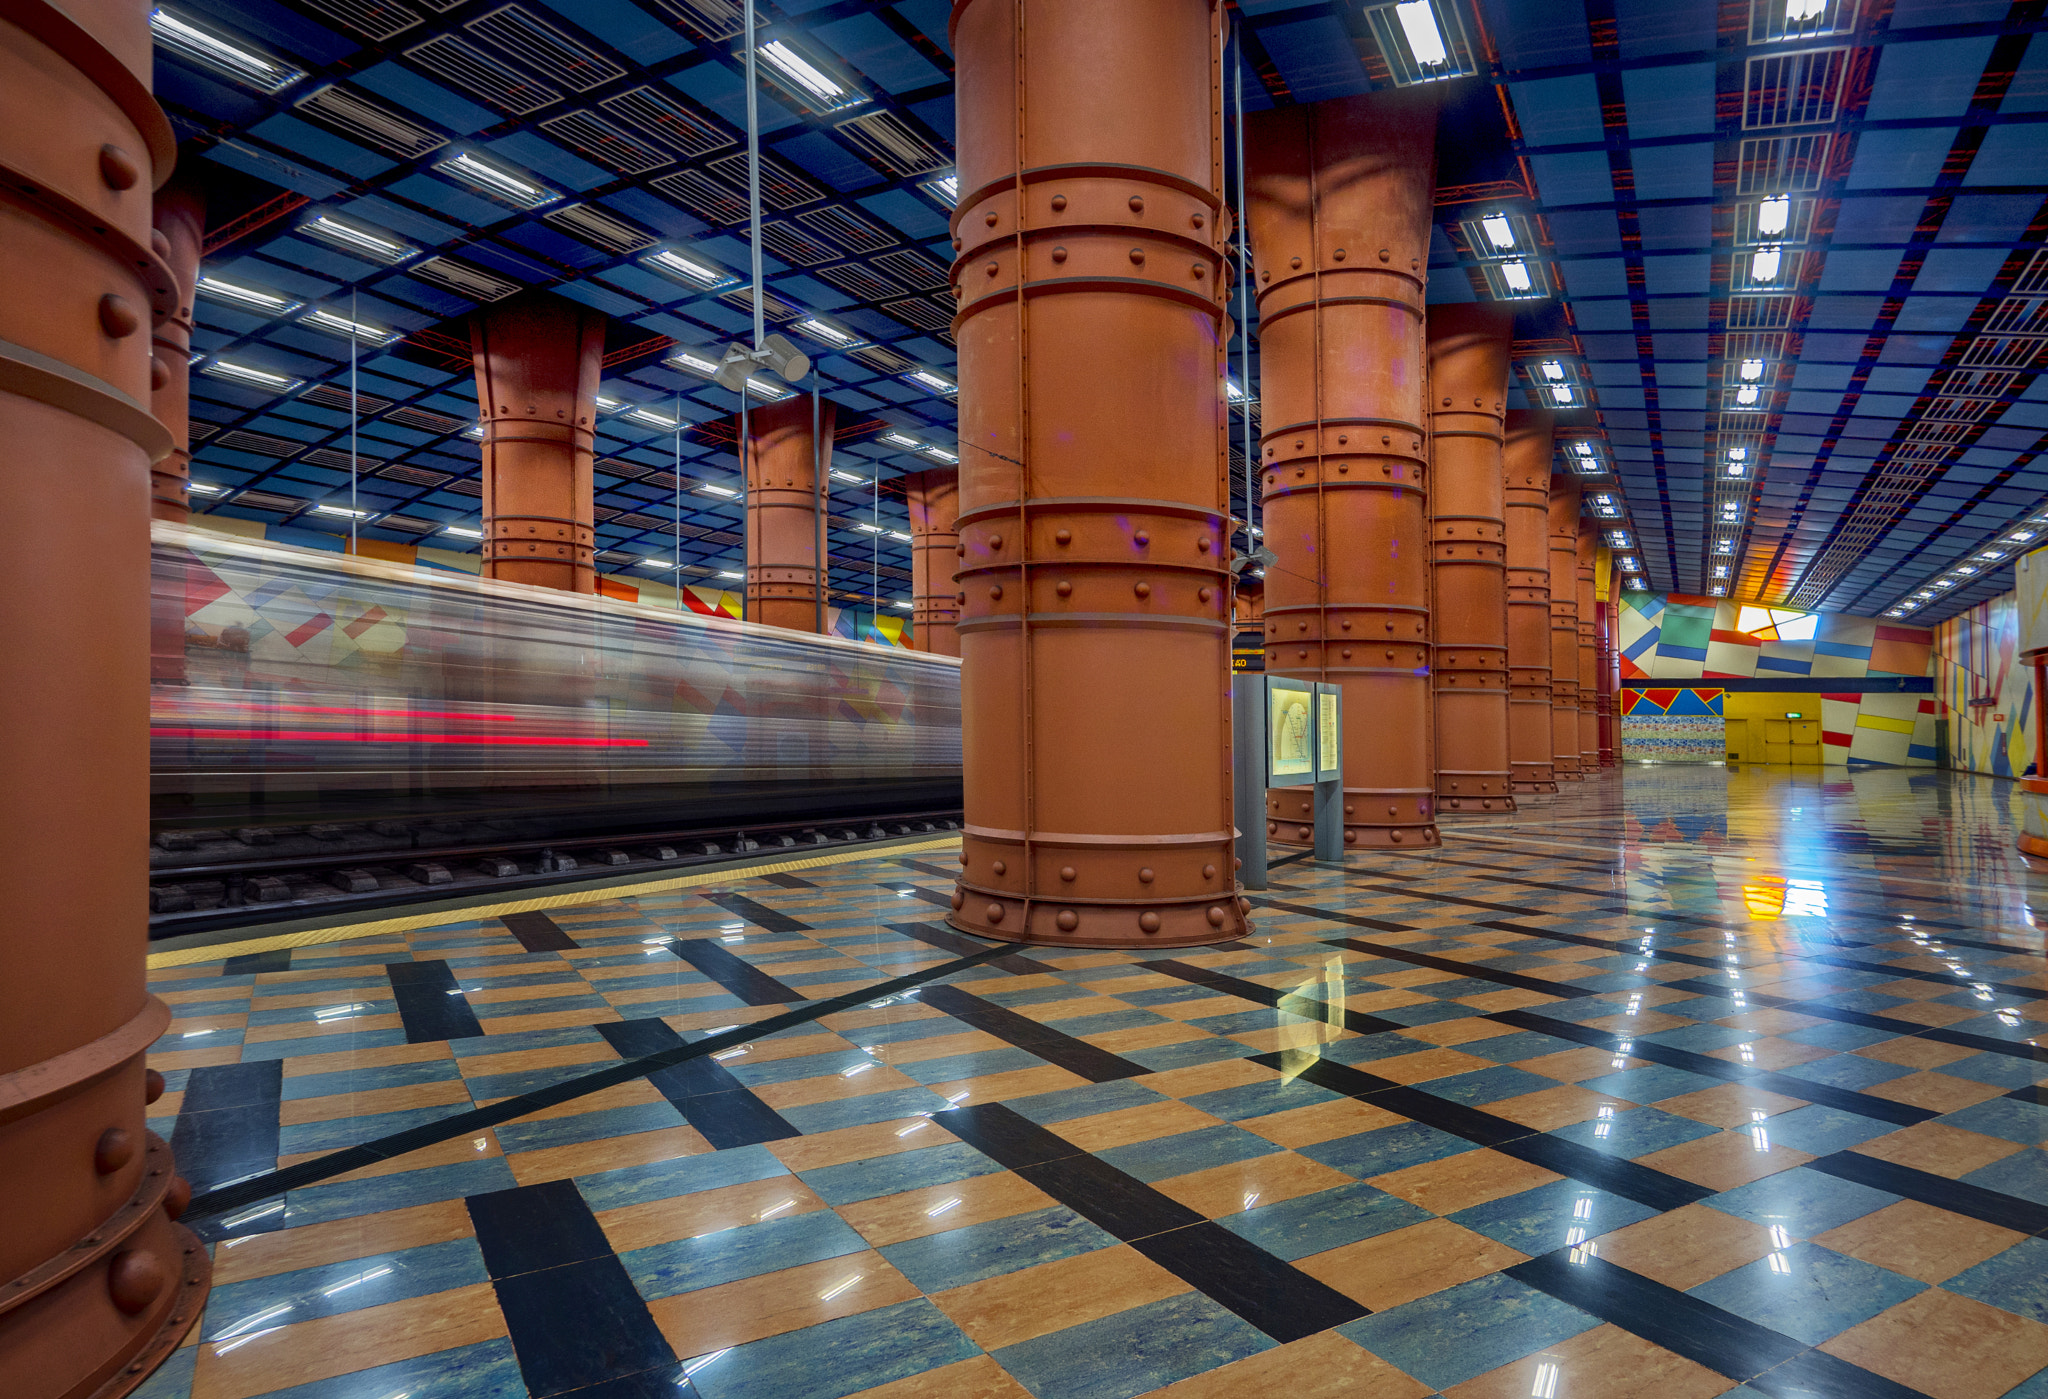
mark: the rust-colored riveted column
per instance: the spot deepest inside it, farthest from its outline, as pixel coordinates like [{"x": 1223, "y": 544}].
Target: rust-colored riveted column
[
  {"x": 1525, "y": 467},
  {"x": 1588, "y": 542},
  {"x": 538, "y": 359},
  {"x": 1468, "y": 389},
  {"x": 1094, "y": 589},
  {"x": 1340, "y": 205},
  {"x": 180, "y": 229},
  {"x": 97, "y": 1284},
  {"x": 782, "y": 510},
  {"x": 934, "y": 499},
  {"x": 1605, "y": 602},
  {"x": 1564, "y": 628}
]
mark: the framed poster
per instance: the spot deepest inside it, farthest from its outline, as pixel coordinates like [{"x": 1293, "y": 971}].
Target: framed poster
[
  {"x": 1290, "y": 730},
  {"x": 1329, "y": 732}
]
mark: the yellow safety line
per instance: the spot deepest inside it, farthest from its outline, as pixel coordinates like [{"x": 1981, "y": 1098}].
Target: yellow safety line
[{"x": 348, "y": 932}]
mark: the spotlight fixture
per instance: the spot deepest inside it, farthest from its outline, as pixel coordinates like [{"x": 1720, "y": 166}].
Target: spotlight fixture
[{"x": 776, "y": 354}]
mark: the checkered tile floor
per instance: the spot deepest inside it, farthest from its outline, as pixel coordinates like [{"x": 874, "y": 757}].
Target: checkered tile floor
[{"x": 1707, "y": 1083}]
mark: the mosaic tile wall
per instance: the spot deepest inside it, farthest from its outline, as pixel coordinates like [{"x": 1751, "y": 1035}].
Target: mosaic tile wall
[{"x": 1675, "y": 637}]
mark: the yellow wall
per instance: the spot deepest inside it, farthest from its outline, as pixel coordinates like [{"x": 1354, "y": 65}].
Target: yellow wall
[{"x": 1744, "y": 714}]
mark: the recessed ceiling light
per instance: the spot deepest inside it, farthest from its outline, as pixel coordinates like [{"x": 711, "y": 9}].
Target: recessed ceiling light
[
  {"x": 1763, "y": 265},
  {"x": 691, "y": 271},
  {"x": 1418, "y": 27},
  {"x": 462, "y": 531},
  {"x": 809, "y": 79},
  {"x": 1773, "y": 214},
  {"x": 830, "y": 334},
  {"x": 188, "y": 40},
  {"x": 357, "y": 240},
  {"x": 342, "y": 325},
  {"x": 248, "y": 297},
  {"x": 242, "y": 373},
  {"x": 481, "y": 174},
  {"x": 924, "y": 378},
  {"x": 1516, "y": 275},
  {"x": 1499, "y": 232},
  {"x": 725, "y": 492}
]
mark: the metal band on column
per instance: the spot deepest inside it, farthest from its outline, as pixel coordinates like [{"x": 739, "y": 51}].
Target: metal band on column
[
  {"x": 1340, "y": 203},
  {"x": 537, "y": 364},
  {"x": 1468, "y": 386},
  {"x": 782, "y": 511},
  {"x": 1564, "y": 628},
  {"x": 1525, "y": 469},
  {"x": 97, "y": 1284},
  {"x": 934, "y": 500},
  {"x": 1094, "y": 584}
]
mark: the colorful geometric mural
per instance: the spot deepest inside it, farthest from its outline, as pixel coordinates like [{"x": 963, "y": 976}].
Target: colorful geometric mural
[
  {"x": 1986, "y": 695},
  {"x": 1872, "y": 718}
]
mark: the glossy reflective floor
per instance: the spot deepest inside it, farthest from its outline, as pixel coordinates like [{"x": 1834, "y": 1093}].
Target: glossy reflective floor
[{"x": 1684, "y": 1082}]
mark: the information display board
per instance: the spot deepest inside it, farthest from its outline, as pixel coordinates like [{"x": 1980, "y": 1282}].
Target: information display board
[
  {"x": 1329, "y": 733},
  {"x": 1290, "y": 731}
]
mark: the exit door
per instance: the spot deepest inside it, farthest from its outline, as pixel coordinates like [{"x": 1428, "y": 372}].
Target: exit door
[{"x": 1793, "y": 741}]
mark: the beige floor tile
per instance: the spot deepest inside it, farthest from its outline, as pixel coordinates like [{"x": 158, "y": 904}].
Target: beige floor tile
[
  {"x": 1319, "y": 1122},
  {"x": 1919, "y": 1240},
  {"x": 1398, "y": 1267},
  {"x": 606, "y": 1154},
  {"x": 1685, "y": 1247},
  {"x": 1243, "y": 1185},
  {"x": 1725, "y": 1160},
  {"x": 1938, "y": 1149},
  {"x": 244, "y": 1366},
  {"x": 734, "y": 1313},
  {"x": 1728, "y": 1105},
  {"x": 1322, "y": 1366},
  {"x": 934, "y": 1209},
  {"x": 1459, "y": 1182},
  {"x": 1603, "y": 1363},
  {"x": 1036, "y": 1301},
  {"x": 1103, "y": 1130},
  {"x": 1946, "y": 1346}
]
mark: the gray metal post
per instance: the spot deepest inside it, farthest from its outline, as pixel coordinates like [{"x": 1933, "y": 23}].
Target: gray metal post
[{"x": 1248, "y": 775}]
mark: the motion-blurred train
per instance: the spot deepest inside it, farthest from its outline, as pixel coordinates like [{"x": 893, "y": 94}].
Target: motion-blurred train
[{"x": 294, "y": 689}]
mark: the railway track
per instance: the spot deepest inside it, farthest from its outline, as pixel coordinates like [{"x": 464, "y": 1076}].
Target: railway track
[{"x": 204, "y": 881}]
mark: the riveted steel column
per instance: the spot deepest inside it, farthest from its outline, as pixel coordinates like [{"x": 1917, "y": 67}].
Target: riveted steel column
[
  {"x": 97, "y": 1284},
  {"x": 1248, "y": 645},
  {"x": 1564, "y": 628},
  {"x": 538, "y": 359},
  {"x": 1340, "y": 205},
  {"x": 1468, "y": 389},
  {"x": 1525, "y": 468},
  {"x": 934, "y": 498},
  {"x": 179, "y": 215},
  {"x": 1587, "y": 542},
  {"x": 782, "y": 511},
  {"x": 1094, "y": 507},
  {"x": 1605, "y": 601}
]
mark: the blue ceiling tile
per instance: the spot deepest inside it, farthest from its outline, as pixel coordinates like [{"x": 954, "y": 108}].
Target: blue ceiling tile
[
  {"x": 1670, "y": 274},
  {"x": 1578, "y": 178},
  {"x": 1315, "y": 56},
  {"x": 1669, "y": 101},
  {"x": 1945, "y": 313},
  {"x": 2010, "y": 155},
  {"x": 1922, "y": 80},
  {"x": 1558, "y": 111},
  {"x": 1677, "y": 172},
  {"x": 1867, "y": 270},
  {"x": 1908, "y": 158}
]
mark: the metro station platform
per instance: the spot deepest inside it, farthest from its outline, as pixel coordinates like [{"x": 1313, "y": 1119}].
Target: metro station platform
[{"x": 1729, "y": 1082}]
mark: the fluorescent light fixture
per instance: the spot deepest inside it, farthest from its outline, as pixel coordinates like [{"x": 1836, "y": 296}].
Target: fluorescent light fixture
[
  {"x": 689, "y": 270},
  {"x": 2019, "y": 536},
  {"x": 1735, "y": 468},
  {"x": 342, "y": 325},
  {"x": 767, "y": 390},
  {"x": 1499, "y": 231},
  {"x": 1232, "y": 391},
  {"x": 830, "y": 334},
  {"x": 726, "y": 492},
  {"x": 1799, "y": 11},
  {"x": 898, "y": 439},
  {"x": 1944, "y": 582},
  {"x": 462, "y": 531},
  {"x": 653, "y": 419},
  {"x": 1747, "y": 395},
  {"x": 1552, "y": 370},
  {"x": 900, "y": 603},
  {"x": 249, "y": 297},
  {"x": 729, "y": 573},
  {"x": 487, "y": 177},
  {"x": 848, "y": 477},
  {"x": 651, "y": 562},
  {"x": 1418, "y": 27},
  {"x": 1719, "y": 590},
  {"x": 203, "y": 488},
  {"x": 694, "y": 363},
  {"x": 1720, "y": 570},
  {"x": 1991, "y": 556},
  {"x": 357, "y": 240},
  {"x": 325, "y": 509},
  {"x": 1925, "y": 593},
  {"x": 1738, "y": 454},
  {"x": 945, "y": 189},
  {"x": 924, "y": 378},
  {"x": 1752, "y": 370},
  {"x": 1561, "y": 393},
  {"x": 1602, "y": 498},
  {"x": 865, "y": 528},
  {"x": 808, "y": 79},
  {"x": 898, "y": 534},
  {"x": 1966, "y": 569},
  {"x": 1618, "y": 538},
  {"x": 941, "y": 454},
  {"x": 1774, "y": 213},
  {"x": 1516, "y": 274},
  {"x": 475, "y": 430},
  {"x": 1637, "y": 585},
  {"x": 1629, "y": 564},
  {"x": 1584, "y": 449},
  {"x": 186, "y": 39},
  {"x": 1763, "y": 265},
  {"x": 243, "y": 374}
]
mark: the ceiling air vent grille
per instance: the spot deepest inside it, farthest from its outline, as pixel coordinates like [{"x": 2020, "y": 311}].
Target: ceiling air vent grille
[
  {"x": 847, "y": 228},
  {"x": 337, "y": 459},
  {"x": 1759, "y": 312},
  {"x": 1782, "y": 164},
  {"x": 260, "y": 443},
  {"x": 407, "y": 525},
  {"x": 703, "y": 196},
  {"x": 334, "y": 396},
  {"x": 792, "y": 244},
  {"x": 460, "y": 277},
  {"x": 426, "y": 420},
  {"x": 655, "y": 114},
  {"x": 416, "y": 475},
  {"x": 914, "y": 268},
  {"x": 631, "y": 520},
  {"x": 859, "y": 281},
  {"x": 887, "y": 361},
  {"x": 375, "y": 19},
  {"x": 264, "y": 500},
  {"x": 921, "y": 312},
  {"x": 1793, "y": 89},
  {"x": 476, "y": 72},
  {"x": 593, "y": 136},
  {"x": 468, "y": 485},
  {"x": 545, "y": 49},
  {"x": 780, "y": 185},
  {"x": 599, "y": 229},
  {"x": 200, "y": 431},
  {"x": 773, "y": 307},
  {"x": 889, "y": 142},
  {"x": 713, "y": 19},
  {"x": 363, "y": 120}
]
